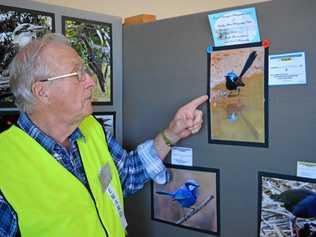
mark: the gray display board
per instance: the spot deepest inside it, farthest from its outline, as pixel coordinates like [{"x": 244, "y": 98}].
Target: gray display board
[
  {"x": 165, "y": 65},
  {"x": 116, "y": 47}
]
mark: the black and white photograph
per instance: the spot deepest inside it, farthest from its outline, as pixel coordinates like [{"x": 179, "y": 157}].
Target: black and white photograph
[{"x": 18, "y": 27}]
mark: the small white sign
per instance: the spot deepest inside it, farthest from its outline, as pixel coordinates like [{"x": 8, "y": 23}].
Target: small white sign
[
  {"x": 287, "y": 69},
  {"x": 181, "y": 156},
  {"x": 306, "y": 169}
]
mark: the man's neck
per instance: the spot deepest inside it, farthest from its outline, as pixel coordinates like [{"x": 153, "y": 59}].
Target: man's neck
[{"x": 54, "y": 127}]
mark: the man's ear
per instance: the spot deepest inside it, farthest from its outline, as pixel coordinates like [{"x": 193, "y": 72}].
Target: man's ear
[{"x": 39, "y": 91}]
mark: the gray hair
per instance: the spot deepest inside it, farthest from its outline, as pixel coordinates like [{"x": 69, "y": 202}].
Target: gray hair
[{"x": 30, "y": 65}]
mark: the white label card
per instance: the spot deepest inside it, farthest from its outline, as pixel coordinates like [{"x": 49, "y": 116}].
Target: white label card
[
  {"x": 287, "y": 69},
  {"x": 181, "y": 156},
  {"x": 306, "y": 169}
]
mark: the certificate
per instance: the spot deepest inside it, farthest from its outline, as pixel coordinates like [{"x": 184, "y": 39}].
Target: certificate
[
  {"x": 287, "y": 69},
  {"x": 234, "y": 27}
]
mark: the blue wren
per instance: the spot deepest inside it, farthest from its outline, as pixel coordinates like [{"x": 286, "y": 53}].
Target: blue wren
[
  {"x": 232, "y": 80},
  {"x": 300, "y": 202},
  {"x": 185, "y": 195}
]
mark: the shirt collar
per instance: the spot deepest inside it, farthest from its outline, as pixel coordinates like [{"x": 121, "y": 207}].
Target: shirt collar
[{"x": 26, "y": 124}]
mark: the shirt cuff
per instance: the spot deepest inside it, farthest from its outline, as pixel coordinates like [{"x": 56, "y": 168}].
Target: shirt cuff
[{"x": 153, "y": 165}]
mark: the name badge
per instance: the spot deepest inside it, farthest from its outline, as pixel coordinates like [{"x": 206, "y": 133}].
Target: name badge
[
  {"x": 116, "y": 202},
  {"x": 105, "y": 177}
]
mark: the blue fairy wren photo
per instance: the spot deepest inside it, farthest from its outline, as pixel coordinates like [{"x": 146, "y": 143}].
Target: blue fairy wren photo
[
  {"x": 189, "y": 200},
  {"x": 237, "y": 87}
]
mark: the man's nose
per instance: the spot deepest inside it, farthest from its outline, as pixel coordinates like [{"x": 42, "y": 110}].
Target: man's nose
[{"x": 90, "y": 82}]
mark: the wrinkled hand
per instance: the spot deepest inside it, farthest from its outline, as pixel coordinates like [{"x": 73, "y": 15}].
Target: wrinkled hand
[{"x": 188, "y": 120}]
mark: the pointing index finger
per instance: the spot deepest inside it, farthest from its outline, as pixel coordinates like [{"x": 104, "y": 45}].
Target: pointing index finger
[{"x": 192, "y": 105}]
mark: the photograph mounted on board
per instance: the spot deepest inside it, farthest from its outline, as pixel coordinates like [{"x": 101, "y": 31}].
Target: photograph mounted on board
[
  {"x": 238, "y": 92},
  {"x": 18, "y": 27},
  {"x": 93, "y": 42},
  {"x": 7, "y": 119},
  {"x": 107, "y": 119},
  {"x": 189, "y": 200},
  {"x": 287, "y": 206}
]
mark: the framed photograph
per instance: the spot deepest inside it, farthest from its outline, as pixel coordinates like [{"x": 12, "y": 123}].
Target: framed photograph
[
  {"x": 189, "y": 200},
  {"x": 93, "y": 42},
  {"x": 238, "y": 91},
  {"x": 107, "y": 119},
  {"x": 287, "y": 206},
  {"x": 18, "y": 27},
  {"x": 8, "y": 118}
]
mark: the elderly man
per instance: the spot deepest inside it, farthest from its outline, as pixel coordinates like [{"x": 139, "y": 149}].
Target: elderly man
[{"x": 61, "y": 174}]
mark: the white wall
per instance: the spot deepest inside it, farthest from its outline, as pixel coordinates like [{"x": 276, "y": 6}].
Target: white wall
[{"x": 161, "y": 8}]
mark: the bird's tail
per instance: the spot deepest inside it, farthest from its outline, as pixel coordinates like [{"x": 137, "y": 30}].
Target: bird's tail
[
  {"x": 164, "y": 193},
  {"x": 252, "y": 56}
]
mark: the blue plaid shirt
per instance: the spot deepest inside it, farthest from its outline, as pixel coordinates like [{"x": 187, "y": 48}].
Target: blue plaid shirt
[{"x": 135, "y": 168}]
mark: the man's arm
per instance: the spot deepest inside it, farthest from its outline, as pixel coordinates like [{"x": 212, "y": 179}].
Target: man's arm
[
  {"x": 130, "y": 165},
  {"x": 8, "y": 222},
  {"x": 137, "y": 167},
  {"x": 187, "y": 121}
]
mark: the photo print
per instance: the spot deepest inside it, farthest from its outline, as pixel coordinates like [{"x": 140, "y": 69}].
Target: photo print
[
  {"x": 107, "y": 119},
  {"x": 18, "y": 27},
  {"x": 238, "y": 92},
  {"x": 287, "y": 206},
  {"x": 7, "y": 119},
  {"x": 93, "y": 42},
  {"x": 189, "y": 200}
]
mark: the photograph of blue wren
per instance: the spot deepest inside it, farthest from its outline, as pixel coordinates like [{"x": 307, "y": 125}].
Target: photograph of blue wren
[
  {"x": 189, "y": 200},
  {"x": 233, "y": 82},
  {"x": 287, "y": 206},
  {"x": 18, "y": 27},
  {"x": 185, "y": 195},
  {"x": 93, "y": 42},
  {"x": 238, "y": 92}
]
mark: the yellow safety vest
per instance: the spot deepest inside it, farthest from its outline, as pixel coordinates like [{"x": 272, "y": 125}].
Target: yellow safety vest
[{"x": 48, "y": 199}]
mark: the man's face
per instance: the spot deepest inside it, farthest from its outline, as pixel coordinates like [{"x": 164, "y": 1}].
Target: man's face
[{"x": 69, "y": 98}]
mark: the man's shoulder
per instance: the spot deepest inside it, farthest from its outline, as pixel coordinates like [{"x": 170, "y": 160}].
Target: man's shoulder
[
  {"x": 11, "y": 134},
  {"x": 6, "y": 132}
]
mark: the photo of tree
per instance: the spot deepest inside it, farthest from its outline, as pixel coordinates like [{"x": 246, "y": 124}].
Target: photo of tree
[
  {"x": 287, "y": 206},
  {"x": 189, "y": 200},
  {"x": 93, "y": 42},
  {"x": 18, "y": 27},
  {"x": 238, "y": 95}
]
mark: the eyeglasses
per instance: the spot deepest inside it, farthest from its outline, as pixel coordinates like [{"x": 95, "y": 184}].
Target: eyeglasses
[{"x": 79, "y": 75}]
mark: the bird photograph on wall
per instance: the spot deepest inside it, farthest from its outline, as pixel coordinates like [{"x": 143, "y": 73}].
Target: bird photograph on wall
[
  {"x": 107, "y": 119},
  {"x": 185, "y": 195},
  {"x": 189, "y": 200},
  {"x": 18, "y": 27},
  {"x": 7, "y": 119},
  {"x": 93, "y": 42},
  {"x": 237, "y": 91},
  {"x": 288, "y": 207}
]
